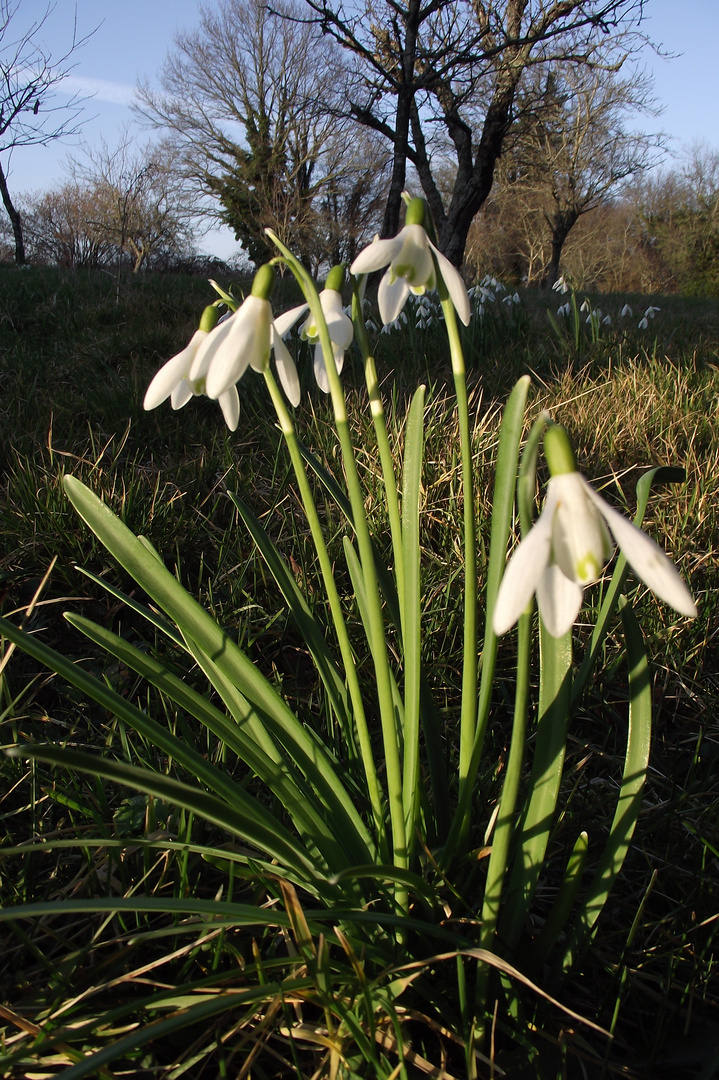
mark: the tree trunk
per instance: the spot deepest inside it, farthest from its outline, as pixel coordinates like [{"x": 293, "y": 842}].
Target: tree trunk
[
  {"x": 561, "y": 226},
  {"x": 14, "y": 216}
]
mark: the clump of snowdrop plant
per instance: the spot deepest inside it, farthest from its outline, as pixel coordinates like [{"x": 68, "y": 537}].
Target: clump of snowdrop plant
[{"x": 373, "y": 855}]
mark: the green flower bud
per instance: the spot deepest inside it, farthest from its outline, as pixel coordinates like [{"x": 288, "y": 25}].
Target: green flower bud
[
  {"x": 264, "y": 282},
  {"x": 558, "y": 451},
  {"x": 208, "y": 320},
  {"x": 416, "y": 212},
  {"x": 335, "y": 279}
]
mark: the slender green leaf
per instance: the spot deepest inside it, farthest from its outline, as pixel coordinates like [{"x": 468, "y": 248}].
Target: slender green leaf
[
  {"x": 412, "y": 611},
  {"x": 305, "y": 621},
  {"x": 247, "y": 820},
  {"x": 197, "y": 625},
  {"x": 630, "y": 793},
  {"x": 544, "y": 781}
]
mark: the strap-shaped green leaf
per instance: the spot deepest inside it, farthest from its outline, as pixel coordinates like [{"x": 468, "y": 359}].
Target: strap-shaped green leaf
[
  {"x": 412, "y": 613},
  {"x": 544, "y": 781},
  {"x": 305, "y": 621},
  {"x": 197, "y": 625},
  {"x": 636, "y": 762},
  {"x": 245, "y": 818},
  {"x": 288, "y": 786}
]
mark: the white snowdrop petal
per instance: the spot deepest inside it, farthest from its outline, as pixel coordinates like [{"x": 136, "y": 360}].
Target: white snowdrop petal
[
  {"x": 287, "y": 320},
  {"x": 647, "y": 559},
  {"x": 522, "y": 573},
  {"x": 166, "y": 379},
  {"x": 181, "y": 394},
  {"x": 558, "y": 600},
  {"x": 391, "y": 297},
  {"x": 455, "y": 286},
  {"x": 286, "y": 369},
  {"x": 377, "y": 255},
  {"x": 320, "y": 370},
  {"x": 230, "y": 404}
]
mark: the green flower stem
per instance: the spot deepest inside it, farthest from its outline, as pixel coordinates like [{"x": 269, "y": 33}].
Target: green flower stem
[
  {"x": 502, "y": 508},
  {"x": 505, "y": 824},
  {"x": 376, "y": 629},
  {"x": 385, "y": 452},
  {"x": 365, "y": 744},
  {"x": 555, "y": 666},
  {"x": 468, "y": 715}
]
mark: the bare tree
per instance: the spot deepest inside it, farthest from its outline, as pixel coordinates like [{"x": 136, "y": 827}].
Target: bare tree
[
  {"x": 677, "y": 217},
  {"x": 142, "y": 203},
  {"x": 29, "y": 114},
  {"x": 575, "y": 151},
  {"x": 60, "y": 227},
  {"x": 441, "y": 77},
  {"x": 240, "y": 100}
]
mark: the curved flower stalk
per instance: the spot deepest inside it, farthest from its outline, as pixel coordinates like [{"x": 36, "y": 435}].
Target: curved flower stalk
[
  {"x": 568, "y": 546},
  {"x": 247, "y": 339},
  {"x": 173, "y": 380},
  {"x": 412, "y": 261},
  {"x": 339, "y": 326}
]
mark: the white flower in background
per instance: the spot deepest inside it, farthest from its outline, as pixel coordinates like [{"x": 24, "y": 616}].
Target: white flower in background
[
  {"x": 644, "y": 323},
  {"x": 586, "y": 306},
  {"x": 607, "y": 320},
  {"x": 247, "y": 339},
  {"x": 570, "y": 543},
  {"x": 173, "y": 379},
  {"x": 564, "y": 309},
  {"x": 339, "y": 326},
  {"x": 410, "y": 257},
  {"x": 650, "y": 312},
  {"x": 560, "y": 285},
  {"x": 626, "y": 311}
]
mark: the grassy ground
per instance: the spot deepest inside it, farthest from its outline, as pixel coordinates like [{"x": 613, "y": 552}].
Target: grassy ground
[{"x": 74, "y": 364}]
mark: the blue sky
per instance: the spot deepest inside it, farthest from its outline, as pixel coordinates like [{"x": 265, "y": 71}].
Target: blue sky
[{"x": 133, "y": 36}]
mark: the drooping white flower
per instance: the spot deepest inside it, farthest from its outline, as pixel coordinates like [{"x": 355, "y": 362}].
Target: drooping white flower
[
  {"x": 566, "y": 550},
  {"x": 560, "y": 285},
  {"x": 173, "y": 380},
  {"x": 340, "y": 330},
  {"x": 607, "y": 320},
  {"x": 410, "y": 258},
  {"x": 644, "y": 323},
  {"x": 586, "y": 306},
  {"x": 651, "y": 311},
  {"x": 626, "y": 311},
  {"x": 247, "y": 339}
]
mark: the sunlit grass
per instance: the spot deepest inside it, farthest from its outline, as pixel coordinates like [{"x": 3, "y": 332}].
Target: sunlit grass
[{"x": 73, "y": 370}]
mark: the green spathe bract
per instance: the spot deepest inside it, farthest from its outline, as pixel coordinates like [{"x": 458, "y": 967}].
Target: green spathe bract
[{"x": 380, "y": 836}]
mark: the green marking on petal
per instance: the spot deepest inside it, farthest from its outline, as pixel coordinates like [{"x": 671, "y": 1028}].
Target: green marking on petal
[{"x": 587, "y": 568}]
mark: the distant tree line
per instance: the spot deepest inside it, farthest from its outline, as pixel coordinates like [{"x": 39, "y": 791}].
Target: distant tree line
[{"x": 516, "y": 120}]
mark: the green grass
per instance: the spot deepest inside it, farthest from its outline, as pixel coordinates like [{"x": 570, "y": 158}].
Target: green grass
[{"x": 74, "y": 365}]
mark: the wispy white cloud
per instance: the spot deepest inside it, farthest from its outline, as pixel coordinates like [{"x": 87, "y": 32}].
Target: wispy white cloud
[{"x": 99, "y": 89}]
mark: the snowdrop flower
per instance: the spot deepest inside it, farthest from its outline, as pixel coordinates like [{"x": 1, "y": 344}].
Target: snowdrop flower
[
  {"x": 626, "y": 311},
  {"x": 649, "y": 313},
  {"x": 247, "y": 339},
  {"x": 339, "y": 325},
  {"x": 560, "y": 285},
  {"x": 173, "y": 379},
  {"x": 568, "y": 546},
  {"x": 517, "y": 298},
  {"x": 586, "y": 306},
  {"x": 412, "y": 261},
  {"x": 644, "y": 323},
  {"x": 564, "y": 309},
  {"x": 607, "y": 320}
]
